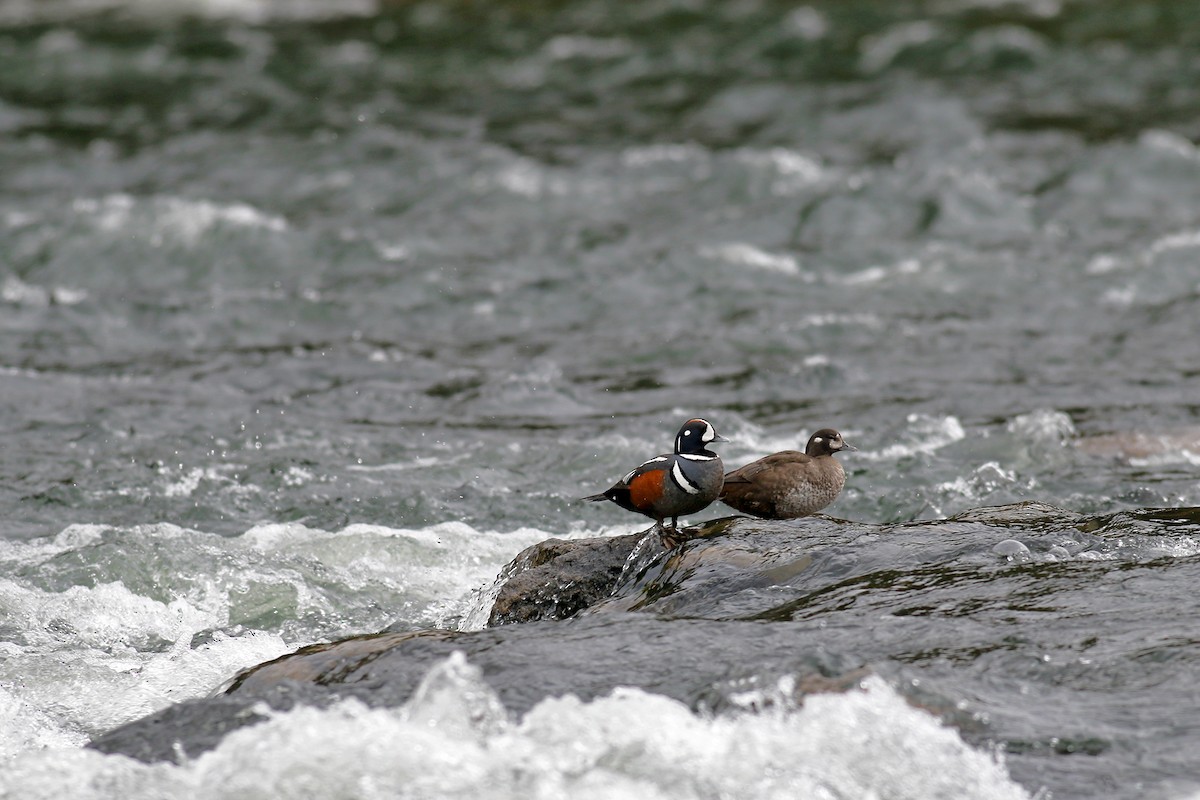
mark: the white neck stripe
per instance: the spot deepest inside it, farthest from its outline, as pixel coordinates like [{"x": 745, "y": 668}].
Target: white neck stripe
[{"x": 682, "y": 481}]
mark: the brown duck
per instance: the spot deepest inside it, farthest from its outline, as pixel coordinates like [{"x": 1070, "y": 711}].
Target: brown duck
[{"x": 789, "y": 484}]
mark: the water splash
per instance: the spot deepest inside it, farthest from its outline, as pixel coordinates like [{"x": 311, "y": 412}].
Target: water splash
[
  {"x": 453, "y": 739},
  {"x": 103, "y": 625}
]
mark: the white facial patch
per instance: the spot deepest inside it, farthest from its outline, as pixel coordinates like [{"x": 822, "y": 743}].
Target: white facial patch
[
  {"x": 682, "y": 481},
  {"x": 710, "y": 432}
]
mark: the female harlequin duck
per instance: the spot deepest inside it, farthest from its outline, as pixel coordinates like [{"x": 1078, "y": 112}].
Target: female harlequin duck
[
  {"x": 789, "y": 484},
  {"x": 683, "y": 482}
]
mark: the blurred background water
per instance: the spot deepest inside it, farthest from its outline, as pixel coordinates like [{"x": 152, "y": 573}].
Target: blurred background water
[{"x": 314, "y": 313}]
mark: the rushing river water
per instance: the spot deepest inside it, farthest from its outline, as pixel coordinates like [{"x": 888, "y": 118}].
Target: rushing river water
[{"x": 313, "y": 314}]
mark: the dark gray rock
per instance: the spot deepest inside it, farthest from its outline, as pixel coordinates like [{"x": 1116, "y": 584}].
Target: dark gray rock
[
  {"x": 688, "y": 660},
  {"x": 187, "y": 729},
  {"x": 560, "y": 578},
  {"x": 557, "y": 578},
  {"x": 737, "y": 606},
  {"x": 545, "y": 584}
]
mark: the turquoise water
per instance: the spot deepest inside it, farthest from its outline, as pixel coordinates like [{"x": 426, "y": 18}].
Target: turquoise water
[{"x": 313, "y": 314}]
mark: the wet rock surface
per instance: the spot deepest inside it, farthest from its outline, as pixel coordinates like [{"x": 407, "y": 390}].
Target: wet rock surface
[
  {"x": 547, "y": 586},
  {"x": 558, "y": 578},
  {"x": 686, "y": 660},
  {"x": 749, "y": 613}
]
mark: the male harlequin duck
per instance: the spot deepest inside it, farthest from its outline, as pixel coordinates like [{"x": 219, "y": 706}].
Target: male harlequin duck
[
  {"x": 683, "y": 482},
  {"x": 789, "y": 484}
]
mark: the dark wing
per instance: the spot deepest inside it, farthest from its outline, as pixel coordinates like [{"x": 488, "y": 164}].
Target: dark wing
[
  {"x": 619, "y": 492},
  {"x": 754, "y": 488},
  {"x": 767, "y": 466}
]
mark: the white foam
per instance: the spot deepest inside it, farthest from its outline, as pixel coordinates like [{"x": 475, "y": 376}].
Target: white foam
[
  {"x": 751, "y": 442},
  {"x": 1104, "y": 263},
  {"x": 17, "y": 292},
  {"x": 792, "y": 171},
  {"x": 983, "y": 481},
  {"x": 523, "y": 178},
  {"x": 90, "y": 657},
  {"x": 925, "y": 434},
  {"x": 531, "y": 180},
  {"x": 454, "y": 740},
  {"x": 371, "y": 575},
  {"x": 107, "y": 616},
  {"x": 1119, "y": 296},
  {"x": 1180, "y": 456},
  {"x": 1043, "y": 424},
  {"x": 420, "y": 462},
  {"x": 1157, "y": 139},
  {"x": 16, "y": 553},
  {"x": 164, "y": 219},
  {"x": 24, "y": 727},
  {"x": 434, "y": 575},
  {"x": 821, "y": 320},
  {"x": 876, "y": 274},
  {"x": 747, "y": 255},
  {"x": 1182, "y": 240}
]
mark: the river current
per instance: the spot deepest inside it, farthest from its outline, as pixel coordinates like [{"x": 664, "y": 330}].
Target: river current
[{"x": 313, "y": 314}]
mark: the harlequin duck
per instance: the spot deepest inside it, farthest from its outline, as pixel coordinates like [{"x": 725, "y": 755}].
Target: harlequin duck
[
  {"x": 789, "y": 484},
  {"x": 683, "y": 482}
]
